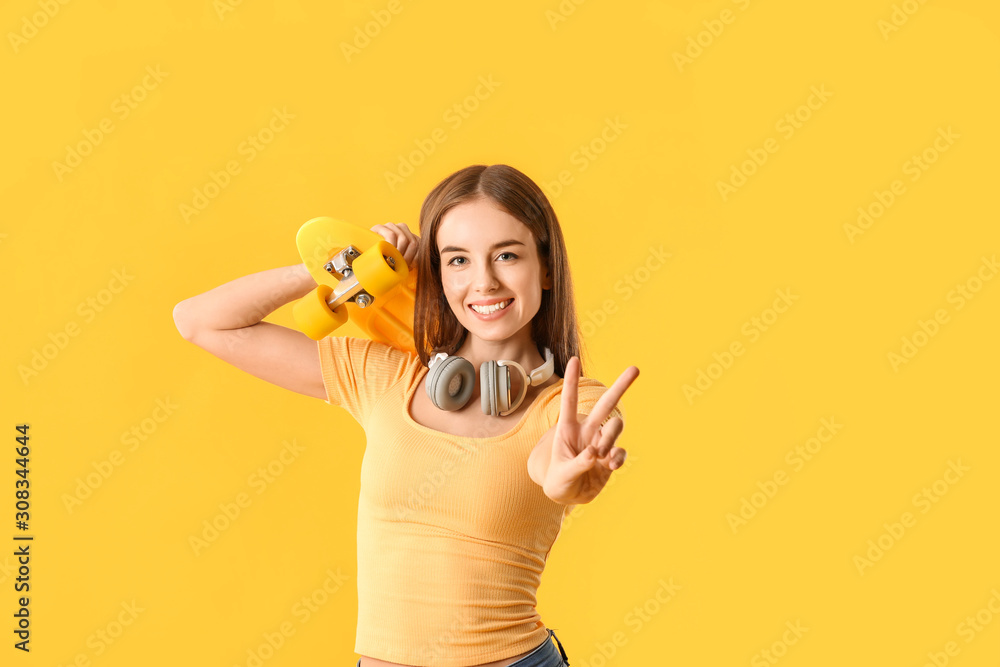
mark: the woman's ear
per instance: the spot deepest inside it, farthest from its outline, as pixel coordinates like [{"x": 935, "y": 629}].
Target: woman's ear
[{"x": 546, "y": 278}]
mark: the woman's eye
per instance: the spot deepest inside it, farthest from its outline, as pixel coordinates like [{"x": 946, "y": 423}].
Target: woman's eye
[{"x": 455, "y": 260}]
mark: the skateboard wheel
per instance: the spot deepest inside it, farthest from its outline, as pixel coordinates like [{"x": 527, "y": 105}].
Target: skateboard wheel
[
  {"x": 313, "y": 316},
  {"x": 373, "y": 271}
]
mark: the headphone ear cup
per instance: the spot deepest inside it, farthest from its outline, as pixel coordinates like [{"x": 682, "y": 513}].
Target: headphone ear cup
[
  {"x": 503, "y": 389},
  {"x": 488, "y": 388},
  {"x": 439, "y": 380}
]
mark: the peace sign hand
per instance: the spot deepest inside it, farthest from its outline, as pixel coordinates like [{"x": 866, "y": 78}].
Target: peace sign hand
[{"x": 584, "y": 453}]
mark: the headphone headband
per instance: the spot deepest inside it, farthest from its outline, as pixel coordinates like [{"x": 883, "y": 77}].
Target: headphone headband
[{"x": 537, "y": 376}]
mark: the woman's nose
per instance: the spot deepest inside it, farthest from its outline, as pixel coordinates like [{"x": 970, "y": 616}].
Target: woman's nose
[{"x": 486, "y": 280}]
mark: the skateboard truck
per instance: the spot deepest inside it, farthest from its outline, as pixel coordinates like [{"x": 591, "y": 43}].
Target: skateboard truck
[
  {"x": 348, "y": 288},
  {"x": 352, "y": 264}
]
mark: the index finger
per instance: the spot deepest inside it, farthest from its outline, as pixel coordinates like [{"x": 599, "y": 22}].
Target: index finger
[
  {"x": 606, "y": 403},
  {"x": 571, "y": 379}
]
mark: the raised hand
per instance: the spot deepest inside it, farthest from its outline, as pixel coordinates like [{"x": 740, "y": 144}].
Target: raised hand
[
  {"x": 584, "y": 452},
  {"x": 399, "y": 235}
]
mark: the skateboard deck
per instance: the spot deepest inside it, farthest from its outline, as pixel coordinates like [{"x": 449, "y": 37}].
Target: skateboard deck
[{"x": 360, "y": 276}]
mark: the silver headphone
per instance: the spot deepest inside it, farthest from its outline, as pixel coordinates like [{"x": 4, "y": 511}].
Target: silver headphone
[{"x": 494, "y": 382}]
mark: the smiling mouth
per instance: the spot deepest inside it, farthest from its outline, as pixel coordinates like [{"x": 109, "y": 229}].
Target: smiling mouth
[{"x": 487, "y": 310}]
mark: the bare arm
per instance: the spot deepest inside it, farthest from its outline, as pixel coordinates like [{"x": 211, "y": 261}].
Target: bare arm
[{"x": 227, "y": 322}]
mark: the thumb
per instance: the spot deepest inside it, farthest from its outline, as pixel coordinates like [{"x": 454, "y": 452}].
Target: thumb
[{"x": 585, "y": 460}]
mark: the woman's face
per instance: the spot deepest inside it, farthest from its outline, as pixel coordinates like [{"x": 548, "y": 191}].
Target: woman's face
[{"x": 489, "y": 257}]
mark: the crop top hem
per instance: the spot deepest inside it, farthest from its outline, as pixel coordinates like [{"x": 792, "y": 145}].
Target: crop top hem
[{"x": 539, "y": 637}]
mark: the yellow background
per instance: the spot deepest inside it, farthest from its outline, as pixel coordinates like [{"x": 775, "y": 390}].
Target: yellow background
[{"x": 563, "y": 73}]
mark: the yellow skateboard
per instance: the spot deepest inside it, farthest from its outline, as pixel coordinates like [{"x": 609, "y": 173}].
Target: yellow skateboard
[{"x": 359, "y": 275}]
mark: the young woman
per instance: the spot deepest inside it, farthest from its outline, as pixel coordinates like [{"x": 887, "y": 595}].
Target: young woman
[{"x": 462, "y": 493}]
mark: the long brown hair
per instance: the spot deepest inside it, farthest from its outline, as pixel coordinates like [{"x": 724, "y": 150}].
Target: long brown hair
[{"x": 435, "y": 327}]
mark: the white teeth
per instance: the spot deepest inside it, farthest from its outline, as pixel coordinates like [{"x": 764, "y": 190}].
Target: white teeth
[{"x": 486, "y": 310}]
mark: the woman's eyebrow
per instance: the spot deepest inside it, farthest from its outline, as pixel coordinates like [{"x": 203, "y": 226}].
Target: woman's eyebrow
[{"x": 500, "y": 244}]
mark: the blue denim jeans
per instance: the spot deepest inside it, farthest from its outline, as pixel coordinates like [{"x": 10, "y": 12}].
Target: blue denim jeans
[{"x": 543, "y": 655}]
